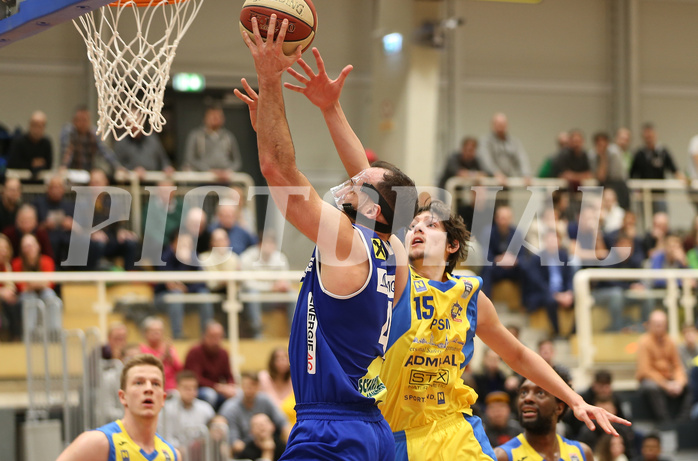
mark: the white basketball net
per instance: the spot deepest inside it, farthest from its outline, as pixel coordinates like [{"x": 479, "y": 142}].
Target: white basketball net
[{"x": 131, "y": 49}]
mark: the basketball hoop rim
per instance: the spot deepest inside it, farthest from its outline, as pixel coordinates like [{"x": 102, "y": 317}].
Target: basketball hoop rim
[{"x": 143, "y": 3}]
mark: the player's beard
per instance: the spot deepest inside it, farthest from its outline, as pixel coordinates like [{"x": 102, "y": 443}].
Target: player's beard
[{"x": 538, "y": 426}]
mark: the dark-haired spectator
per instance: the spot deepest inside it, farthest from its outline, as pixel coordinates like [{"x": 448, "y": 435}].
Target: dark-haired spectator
[
  {"x": 10, "y": 202},
  {"x": 660, "y": 372},
  {"x": 546, "y": 349},
  {"x": 547, "y": 280},
  {"x": 562, "y": 141},
  {"x": 26, "y": 222},
  {"x": 610, "y": 448},
  {"x": 11, "y": 313},
  {"x": 81, "y": 148},
  {"x": 184, "y": 411},
  {"x": 628, "y": 228},
  {"x": 210, "y": 363},
  {"x": 654, "y": 238},
  {"x": 503, "y": 236},
  {"x": 55, "y": 213},
  {"x": 140, "y": 153},
  {"x": 671, "y": 257},
  {"x": 30, "y": 259},
  {"x": 32, "y": 151},
  {"x": 157, "y": 345},
  {"x": 212, "y": 147},
  {"x": 500, "y": 427},
  {"x": 491, "y": 378},
  {"x": 160, "y": 219},
  {"x": 502, "y": 154},
  {"x": 652, "y": 448},
  {"x": 180, "y": 256},
  {"x": 262, "y": 443},
  {"x": 688, "y": 350},
  {"x": 652, "y": 161},
  {"x": 117, "y": 335},
  {"x": 275, "y": 381},
  {"x": 572, "y": 164},
  {"x": 609, "y": 168},
  {"x": 239, "y": 411}
]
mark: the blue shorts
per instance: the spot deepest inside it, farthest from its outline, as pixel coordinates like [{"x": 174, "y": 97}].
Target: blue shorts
[
  {"x": 339, "y": 432},
  {"x": 458, "y": 436}
]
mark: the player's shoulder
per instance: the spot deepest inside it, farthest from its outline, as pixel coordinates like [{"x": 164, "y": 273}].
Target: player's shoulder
[
  {"x": 585, "y": 449},
  {"x": 90, "y": 445},
  {"x": 504, "y": 451}
]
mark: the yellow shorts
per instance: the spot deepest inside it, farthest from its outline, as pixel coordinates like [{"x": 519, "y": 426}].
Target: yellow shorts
[{"x": 458, "y": 436}]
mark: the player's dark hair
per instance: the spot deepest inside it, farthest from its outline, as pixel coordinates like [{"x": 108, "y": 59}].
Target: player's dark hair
[
  {"x": 399, "y": 191},
  {"x": 456, "y": 231},
  {"x": 141, "y": 359}
]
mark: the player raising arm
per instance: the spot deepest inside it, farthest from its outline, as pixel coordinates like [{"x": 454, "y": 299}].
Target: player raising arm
[
  {"x": 142, "y": 394},
  {"x": 343, "y": 311}
]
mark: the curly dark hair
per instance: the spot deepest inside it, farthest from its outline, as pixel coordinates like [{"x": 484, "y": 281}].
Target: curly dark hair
[{"x": 456, "y": 231}]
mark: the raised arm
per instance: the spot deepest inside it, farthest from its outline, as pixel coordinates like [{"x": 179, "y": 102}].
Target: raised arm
[
  {"x": 530, "y": 365},
  {"x": 324, "y": 93}
]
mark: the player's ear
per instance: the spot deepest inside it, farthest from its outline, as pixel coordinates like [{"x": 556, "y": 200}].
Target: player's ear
[
  {"x": 453, "y": 246},
  {"x": 373, "y": 211},
  {"x": 122, "y": 397}
]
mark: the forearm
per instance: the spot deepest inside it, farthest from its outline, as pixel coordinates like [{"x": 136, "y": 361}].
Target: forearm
[
  {"x": 276, "y": 153},
  {"x": 349, "y": 147}
]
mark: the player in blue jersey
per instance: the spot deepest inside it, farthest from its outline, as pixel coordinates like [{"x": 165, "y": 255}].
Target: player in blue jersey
[
  {"x": 133, "y": 437},
  {"x": 539, "y": 413},
  {"x": 435, "y": 419},
  {"x": 343, "y": 313}
]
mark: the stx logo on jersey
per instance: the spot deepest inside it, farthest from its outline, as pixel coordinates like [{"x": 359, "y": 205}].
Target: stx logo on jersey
[
  {"x": 456, "y": 311},
  {"x": 421, "y": 377},
  {"x": 420, "y": 286},
  {"x": 379, "y": 249},
  {"x": 311, "y": 330}
]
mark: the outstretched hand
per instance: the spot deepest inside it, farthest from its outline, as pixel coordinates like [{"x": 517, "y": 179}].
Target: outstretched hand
[
  {"x": 250, "y": 99},
  {"x": 269, "y": 57},
  {"x": 318, "y": 88},
  {"x": 585, "y": 413}
]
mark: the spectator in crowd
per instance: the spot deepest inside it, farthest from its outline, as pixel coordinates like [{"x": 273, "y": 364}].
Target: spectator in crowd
[
  {"x": 157, "y": 345},
  {"x": 502, "y": 154},
  {"x": 55, "y": 213},
  {"x": 81, "y": 148},
  {"x": 239, "y": 412},
  {"x": 223, "y": 257},
  {"x": 160, "y": 219},
  {"x": 275, "y": 381},
  {"x": 464, "y": 164},
  {"x": 30, "y": 259},
  {"x": 491, "y": 378},
  {"x": 690, "y": 242},
  {"x": 611, "y": 212},
  {"x": 502, "y": 237},
  {"x": 546, "y": 349},
  {"x": 610, "y": 169},
  {"x": 184, "y": 411},
  {"x": 117, "y": 335},
  {"x": 10, "y": 202},
  {"x": 688, "y": 350},
  {"x": 11, "y": 309},
  {"x": 671, "y": 257},
  {"x": 109, "y": 407},
  {"x": 610, "y": 448},
  {"x": 572, "y": 164},
  {"x": 27, "y": 222},
  {"x": 227, "y": 215},
  {"x": 628, "y": 228},
  {"x": 140, "y": 153},
  {"x": 547, "y": 280},
  {"x": 32, "y": 151},
  {"x": 500, "y": 427},
  {"x": 110, "y": 241},
  {"x": 562, "y": 141},
  {"x": 180, "y": 256},
  {"x": 652, "y": 448},
  {"x": 195, "y": 221},
  {"x": 621, "y": 148},
  {"x": 661, "y": 375},
  {"x": 262, "y": 442},
  {"x": 218, "y": 431},
  {"x": 210, "y": 363},
  {"x": 265, "y": 256},
  {"x": 652, "y": 161},
  {"x": 212, "y": 147},
  {"x": 655, "y": 238},
  {"x": 539, "y": 413}
]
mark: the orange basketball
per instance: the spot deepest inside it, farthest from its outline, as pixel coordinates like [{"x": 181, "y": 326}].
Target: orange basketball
[{"x": 301, "y": 15}]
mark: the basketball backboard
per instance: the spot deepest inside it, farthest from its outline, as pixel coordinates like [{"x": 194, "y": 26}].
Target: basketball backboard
[{"x": 29, "y": 17}]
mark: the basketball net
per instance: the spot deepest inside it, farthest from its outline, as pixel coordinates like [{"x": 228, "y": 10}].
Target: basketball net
[{"x": 131, "y": 45}]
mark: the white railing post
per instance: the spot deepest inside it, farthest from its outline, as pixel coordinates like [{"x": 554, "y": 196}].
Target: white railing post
[
  {"x": 232, "y": 307},
  {"x": 582, "y": 310},
  {"x": 671, "y": 302},
  {"x": 102, "y": 307},
  {"x": 688, "y": 301}
]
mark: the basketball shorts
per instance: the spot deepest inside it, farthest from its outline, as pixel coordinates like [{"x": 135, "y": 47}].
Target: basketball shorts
[
  {"x": 339, "y": 432},
  {"x": 458, "y": 436}
]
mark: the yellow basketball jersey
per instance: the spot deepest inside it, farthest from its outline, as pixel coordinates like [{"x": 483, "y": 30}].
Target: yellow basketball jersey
[
  {"x": 518, "y": 449},
  {"x": 123, "y": 448},
  {"x": 431, "y": 341}
]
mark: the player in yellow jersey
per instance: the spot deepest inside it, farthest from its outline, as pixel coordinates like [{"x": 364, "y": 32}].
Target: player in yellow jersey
[
  {"x": 133, "y": 437},
  {"x": 539, "y": 412},
  {"x": 431, "y": 339}
]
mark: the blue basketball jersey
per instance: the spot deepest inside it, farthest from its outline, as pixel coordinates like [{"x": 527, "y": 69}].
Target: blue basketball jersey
[{"x": 334, "y": 339}]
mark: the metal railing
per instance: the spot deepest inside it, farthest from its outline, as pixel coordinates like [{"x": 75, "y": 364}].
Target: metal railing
[{"x": 675, "y": 295}]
